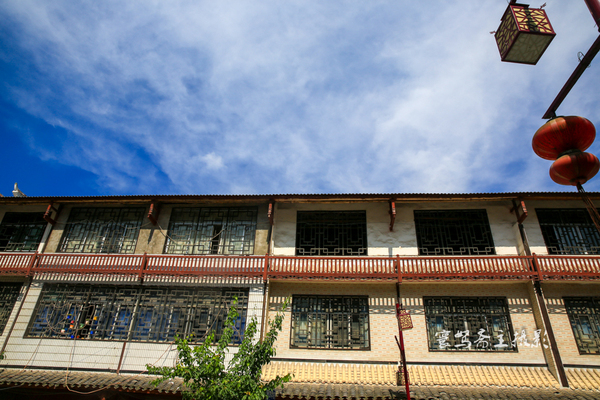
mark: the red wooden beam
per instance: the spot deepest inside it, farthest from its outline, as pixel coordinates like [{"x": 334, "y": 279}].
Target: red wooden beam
[
  {"x": 153, "y": 213},
  {"x": 48, "y": 213},
  {"x": 392, "y": 214},
  {"x": 271, "y": 212}
]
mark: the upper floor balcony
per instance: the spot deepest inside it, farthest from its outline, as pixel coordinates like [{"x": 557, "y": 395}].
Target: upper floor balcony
[{"x": 398, "y": 268}]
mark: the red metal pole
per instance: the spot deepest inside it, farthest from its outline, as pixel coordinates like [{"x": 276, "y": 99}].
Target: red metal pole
[
  {"x": 406, "y": 383},
  {"x": 594, "y": 7},
  {"x": 402, "y": 354},
  {"x": 581, "y": 67}
]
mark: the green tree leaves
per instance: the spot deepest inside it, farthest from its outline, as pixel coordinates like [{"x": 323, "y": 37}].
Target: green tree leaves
[{"x": 205, "y": 373}]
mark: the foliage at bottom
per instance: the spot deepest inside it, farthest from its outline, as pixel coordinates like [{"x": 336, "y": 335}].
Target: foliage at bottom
[{"x": 205, "y": 373}]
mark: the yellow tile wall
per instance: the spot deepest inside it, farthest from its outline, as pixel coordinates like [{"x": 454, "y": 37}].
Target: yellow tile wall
[
  {"x": 521, "y": 314},
  {"x": 383, "y": 324}
]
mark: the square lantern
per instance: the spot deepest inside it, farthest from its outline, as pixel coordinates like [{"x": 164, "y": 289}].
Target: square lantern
[
  {"x": 404, "y": 319},
  {"x": 524, "y": 34}
]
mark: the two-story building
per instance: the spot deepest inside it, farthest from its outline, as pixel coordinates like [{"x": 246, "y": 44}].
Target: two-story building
[{"x": 503, "y": 290}]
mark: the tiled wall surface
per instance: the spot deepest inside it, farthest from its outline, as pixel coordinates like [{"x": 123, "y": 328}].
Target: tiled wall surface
[
  {"x": 383, "y": 324},
  {"x": 521, "y": 314}
]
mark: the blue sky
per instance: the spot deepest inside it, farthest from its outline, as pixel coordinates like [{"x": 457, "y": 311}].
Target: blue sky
[{"x": 239, "y": 97}]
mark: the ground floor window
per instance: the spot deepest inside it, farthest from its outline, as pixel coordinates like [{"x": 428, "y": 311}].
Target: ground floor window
[
  {"x": 154, "y": 314},
  {"x": 468, "y": 323},
  {"x": 9, "y": 292},
  {"x": 584, "y": 314},
  {"x": 330, "y": 322}
]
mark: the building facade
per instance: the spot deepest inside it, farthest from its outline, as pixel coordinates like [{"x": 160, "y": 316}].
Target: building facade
[{"x": 503, "y": 290}]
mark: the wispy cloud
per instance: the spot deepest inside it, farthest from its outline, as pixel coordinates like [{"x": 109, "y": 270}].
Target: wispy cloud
[{"x": 204, "y": 97}]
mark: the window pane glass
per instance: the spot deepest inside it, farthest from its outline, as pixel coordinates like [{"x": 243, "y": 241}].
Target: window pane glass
[
  {"x": 102, "y": 230},
  {"x": 154, "y": 314},
  {"x": 212, "y": 231},
  {"x": 468, "y": 323},
  {"x": 21, "y": 231},
  {"x": 9, "y": 292},
  {"x": 568, "y": 231},
  {"x": 331, "y": 233},
  {"x": 584, "y": 314},
  {"x": 336, "y": 322},
  {"x": 453, "y": 232}
]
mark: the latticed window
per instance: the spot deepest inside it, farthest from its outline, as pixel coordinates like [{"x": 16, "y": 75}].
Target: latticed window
[
  {"x": 102, "y": 230},
  {"x": 584, "y": 314},
  {"x": 568, "y": 231},
  {"x": 453, "y": 232},
  {"x": 166, "y": 312},
  {"x": 468, "y": 323},
  {"x": 335, "y": 322},
  {"x": 331, "y": 233},
  {"x": 211, "y": 230},
  {"x": 21, "y": 231},
  {"x": 9, "y": 292},
  {"x": 153, "y": 314}
]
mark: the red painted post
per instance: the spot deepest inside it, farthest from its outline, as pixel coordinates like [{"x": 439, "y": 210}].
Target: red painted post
[
  {"x": 536, "y": 267},
  {"x": 266, "y": 267},
  {"x": 32, "y": 263},
  {"x": 143, "y": 267}
]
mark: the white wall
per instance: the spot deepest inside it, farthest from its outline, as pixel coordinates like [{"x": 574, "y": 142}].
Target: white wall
[{"x": 402, "y": 241}]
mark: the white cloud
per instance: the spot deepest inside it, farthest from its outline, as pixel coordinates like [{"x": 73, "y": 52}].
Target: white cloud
[{"x": 294, "y": 96}]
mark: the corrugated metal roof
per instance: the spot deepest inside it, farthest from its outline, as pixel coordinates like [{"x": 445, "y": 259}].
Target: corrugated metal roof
[{"x": 299, "y": 197}]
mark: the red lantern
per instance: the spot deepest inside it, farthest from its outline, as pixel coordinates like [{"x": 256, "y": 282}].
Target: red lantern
[
  {"x": 562, "y": 134},
  {"x": 574, "y": 168}
]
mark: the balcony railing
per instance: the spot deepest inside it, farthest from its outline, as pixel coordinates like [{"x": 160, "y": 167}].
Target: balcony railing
[{"x": 410, "y": 268}]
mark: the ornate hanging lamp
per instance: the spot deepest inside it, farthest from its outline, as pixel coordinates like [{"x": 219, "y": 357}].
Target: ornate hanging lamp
[{"x": 524, "y": 34}]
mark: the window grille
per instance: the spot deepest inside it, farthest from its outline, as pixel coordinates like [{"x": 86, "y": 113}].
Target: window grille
[
  {"x": 468, "y": 323},
  {"x": 584, "y": 314},
  {"x": 102, "y": 230},
  {"x": 211, "y": 231},
  {"x": 337, "y": 322},
  {"x": 167, "y": 312},
  {"x": 568, "y": 231},
  {"x": 331, "y": 233},
  {"x": 453, "y": 232},
  {"x": 151, "y": 314},
  {"x": 21, "y": 231},
  {"x": 9, "y": 292}
]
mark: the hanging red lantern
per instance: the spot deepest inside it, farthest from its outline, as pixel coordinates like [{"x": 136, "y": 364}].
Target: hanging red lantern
[
  {"x": 574, "y": 168},
  {"x": 562, "y": 134}
]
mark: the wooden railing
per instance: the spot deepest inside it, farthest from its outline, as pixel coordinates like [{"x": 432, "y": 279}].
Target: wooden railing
[
  {"x": 17, "y": 263},
  {"x": 123, "y": 264},
  {"x": 210, "y": 265},
  {"x": 465, "y": 268},
  {"x": 568, "y": 267},
  {"x": 332, "y": 267},
  {"x": 408, "y": 268}
]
